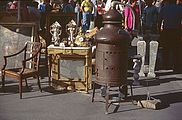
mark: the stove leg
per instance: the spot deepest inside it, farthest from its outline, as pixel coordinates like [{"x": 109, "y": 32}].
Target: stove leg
[{"x": 93, "y": 93}]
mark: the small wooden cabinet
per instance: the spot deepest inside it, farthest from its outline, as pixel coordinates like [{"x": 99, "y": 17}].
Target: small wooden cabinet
[{"x": 70, "y": 67}]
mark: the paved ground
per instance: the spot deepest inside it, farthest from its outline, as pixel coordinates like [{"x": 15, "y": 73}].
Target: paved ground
[{"x": 56, "y": 105}]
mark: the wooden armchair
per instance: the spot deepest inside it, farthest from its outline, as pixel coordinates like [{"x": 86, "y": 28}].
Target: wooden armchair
[{"x": 30, "y": 65}]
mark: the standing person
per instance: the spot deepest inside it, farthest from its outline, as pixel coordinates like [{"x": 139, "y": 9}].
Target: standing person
[
  {"x": 108, "y": 5},
  {"x": 14, "y": 5},
  {"x": 94, "y": 14},
  {"x": 86, "y": 8},
  {"x": 179, "y": 2},
  {"x": 100, "y": 12},
  {"x": 77, "y": 11},
  {"x": 128, "y": 22},
  {"x": 44, "y": 7},
  {"x": 67, "y": 7},
  {"x": 73, "y": 3},
  {"x": 158, "y": 4},
  {"x": 24, "y": 12},
  {"x": 170, "y": 17},
  {"x": 150, "y": 16},
  {"x": 34, "y": 13}
]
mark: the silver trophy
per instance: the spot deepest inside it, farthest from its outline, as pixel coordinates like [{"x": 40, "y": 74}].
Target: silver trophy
[
  {"x": 55, "y": 30},
  {"x": 71, "y": 31}
]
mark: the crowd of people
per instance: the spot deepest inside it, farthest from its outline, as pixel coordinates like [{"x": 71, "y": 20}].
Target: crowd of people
[
  {"x": 162, "y": 17},
  {"x": 155, "y": 17}
]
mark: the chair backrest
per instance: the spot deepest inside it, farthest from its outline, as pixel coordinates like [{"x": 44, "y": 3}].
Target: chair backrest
[{"x": 32, "y": 54}]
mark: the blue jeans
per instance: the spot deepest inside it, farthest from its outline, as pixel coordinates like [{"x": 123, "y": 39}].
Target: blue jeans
[{"x": 86, "y": 21}]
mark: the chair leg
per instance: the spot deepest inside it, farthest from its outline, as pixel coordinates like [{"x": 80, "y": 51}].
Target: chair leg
[
  {"x": 38, "y": 82},
  {"x": 93, "y": 94},
  {"x": 26, "y": 83},
  {"x": 20, "y": 87},
  {"x": 120, "y": 95},
  {"x": 3, "y": 80}
]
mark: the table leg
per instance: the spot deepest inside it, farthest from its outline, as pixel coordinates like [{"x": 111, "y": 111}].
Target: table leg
[
  {"x": 86, "y": 73},
  {"x": 50, "y": 69}
]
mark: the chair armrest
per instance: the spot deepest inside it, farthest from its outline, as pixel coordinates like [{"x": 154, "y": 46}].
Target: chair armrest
[{"x": 8, "y": 56}]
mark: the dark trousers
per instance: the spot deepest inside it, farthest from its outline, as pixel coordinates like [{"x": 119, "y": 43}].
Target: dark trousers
[
  {"x": 42, "y": 21},
  {"x": 172, "y": 49},
  {"x": 99, "y": 21}
]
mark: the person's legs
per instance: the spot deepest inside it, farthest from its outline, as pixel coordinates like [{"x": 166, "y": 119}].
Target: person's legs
[
  {"x": 171, "y": 55},
  {"x": 177, "y": 55},
  {"x": 86, "y": 21},
  {"x": 98, "y": 22},
  {"x": 42, "y": 21},
  {"x": 165, "y": 49},
  {"x": 88, "y": 17}
]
